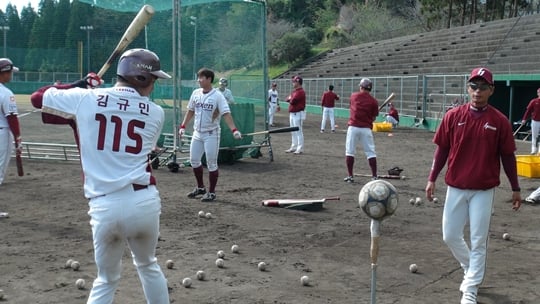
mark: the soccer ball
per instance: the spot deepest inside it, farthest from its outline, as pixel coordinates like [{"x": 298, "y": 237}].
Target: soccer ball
[{"x": 378, "y": 199}]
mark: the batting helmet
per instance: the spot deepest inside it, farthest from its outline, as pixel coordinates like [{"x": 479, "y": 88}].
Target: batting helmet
[
  {"x": 223, "y": 81},
  {"x": 138, "y": 66},
  {"x": 366, "y": 84},
  {"x": 6, "y": 65}
]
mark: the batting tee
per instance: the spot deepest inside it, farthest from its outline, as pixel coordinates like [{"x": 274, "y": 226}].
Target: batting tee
[{"x": 227, "y": 36}]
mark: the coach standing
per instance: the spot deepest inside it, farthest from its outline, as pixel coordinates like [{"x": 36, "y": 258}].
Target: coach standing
[
  {"x": 297, "y": 114},
  {"x": 475, "y": 138},
  {"x": 363, "y": 109},
  {"x": 533, "y": 110},
  {"x": 10, "y": 133}
]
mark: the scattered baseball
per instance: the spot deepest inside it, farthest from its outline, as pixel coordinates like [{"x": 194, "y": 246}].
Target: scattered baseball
[
  {"x": 411, "y": 201},
  {"x": 506, "y": 236},
  {"x": 235, "y": 249},
  {"x": 220, "y": 263},
  {"x": 221, "y": 254},
  {"x": 418, "y": 201},
  {"x": 435, "y": 200},
  {"x": 68, "y": 263},
  {"x": 304, "y": 280},
  {"x": 169, "y": 264},
  {"x": 1, "y": 294},
  {"x": 261, "y": 266},
  {"x": 413, "y": 268},
  {"x": 201, "y": 275},
  {"x": 208, "y": 215},
  {"x": 75, "y": 265},
  {"x": 186, "y": 282},
  {"x": 202, "y": 214},
  {"x": 80, "y": 283}
]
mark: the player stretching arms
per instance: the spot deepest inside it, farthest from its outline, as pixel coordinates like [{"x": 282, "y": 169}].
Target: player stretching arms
[
  {"x": 207, "y": 105},
  {"x": 117, "y": 128}
]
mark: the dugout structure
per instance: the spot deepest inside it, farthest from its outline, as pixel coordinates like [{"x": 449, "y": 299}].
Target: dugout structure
[{"x": 227, "y": 36}]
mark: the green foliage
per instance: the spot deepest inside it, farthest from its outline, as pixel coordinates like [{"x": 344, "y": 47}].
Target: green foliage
[{"x": 291, "y": 48}]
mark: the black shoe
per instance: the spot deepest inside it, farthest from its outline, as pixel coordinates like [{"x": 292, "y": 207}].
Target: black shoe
[{"x": 196, "y": 191}]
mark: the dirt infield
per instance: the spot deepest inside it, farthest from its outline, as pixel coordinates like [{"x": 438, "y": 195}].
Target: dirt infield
[{"x": 48, "y": 225}]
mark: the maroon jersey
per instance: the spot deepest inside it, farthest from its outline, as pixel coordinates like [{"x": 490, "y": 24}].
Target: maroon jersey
[
  {"x": 533, "y": 109},
  {"x": 480, "y": 138},
  {"x": 329, "y": 99},
  {"x": 394, "y": 113},
  {"x": 363, "y": 110},
  {"x": 297, "y": 100}
]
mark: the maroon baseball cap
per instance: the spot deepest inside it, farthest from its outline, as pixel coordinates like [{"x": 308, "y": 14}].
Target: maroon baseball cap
[
  {"x": 483, "y": 73},
  {"x": 6, "y": 65},
  {"x": 297, "y": 79}
]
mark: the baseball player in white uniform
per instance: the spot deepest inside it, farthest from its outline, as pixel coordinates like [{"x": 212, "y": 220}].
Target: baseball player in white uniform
[
  {"x": 223, "y": 83},
  {"x": 207, "y": 105},
  {"x": 10, "y": 134},
  {"x": 118, "y": 127},
  {"x": 273, "y": 104}
]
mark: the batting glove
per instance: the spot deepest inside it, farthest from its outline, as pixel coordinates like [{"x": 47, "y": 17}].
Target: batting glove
[
  {"x": 237, "y": 134},
  {"x": 18, "y": 146},
  {"x": 92, "y": 80}
]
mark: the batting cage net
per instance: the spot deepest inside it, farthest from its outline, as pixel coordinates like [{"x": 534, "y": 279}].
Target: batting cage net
[{"x": 225, "y": 36}]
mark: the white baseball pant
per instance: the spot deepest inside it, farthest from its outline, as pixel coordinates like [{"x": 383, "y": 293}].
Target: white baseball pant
[
  {"x": 328, "y": 113},
  {"x": 133, "y": 217},
  {"x": 205, "y": 142},
  {"x": 474, "y": 206},
  {"x": 272, "y": 108},
  {"x": 362, "y": 136},
  {"x": 535, "y": 131},
  {"x": 6, "y": 148},
  {"x": 296, "y": 120}
]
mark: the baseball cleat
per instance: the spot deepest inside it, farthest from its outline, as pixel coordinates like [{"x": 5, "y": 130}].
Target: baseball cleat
[
  {"x": 349, "y": 179},
  {"x": 208, "y": 197},
  {"x": 196, "y": 191}
]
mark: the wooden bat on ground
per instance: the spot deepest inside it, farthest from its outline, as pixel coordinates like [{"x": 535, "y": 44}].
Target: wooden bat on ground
[
  {"x": 278, "y": 130},
  {"x": 299, "y": 204},
  {"x": 18, "y": 160},
  {"x": 517, "y": 130},
  {"x": 383, "y": 176},
  {"x": 141, "y": 19},
  {"x": 387, "y": 100}
]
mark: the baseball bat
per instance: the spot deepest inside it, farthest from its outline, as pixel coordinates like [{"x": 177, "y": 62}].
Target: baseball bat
[
  {"x": 384, "y": 176},
  {"x": 374, "y": 255},
  {"x": 278, "y": 130},
  {"x": 517, "y": 130},
  {"x": 387, "y": 100},
  {"x": 286, "y": 202},
  {"x": 141, "y": 19},
  {"x": 18, "y": 161}
]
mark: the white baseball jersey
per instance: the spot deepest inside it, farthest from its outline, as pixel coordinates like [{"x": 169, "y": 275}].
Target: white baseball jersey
[
  {"x": 273, "y": 96},
  {"x": 117, "y": 128},
  {"x": 228, "y": 95},
  {"x": 208, "y": 109},
  {"x": 7, "y": 105}
]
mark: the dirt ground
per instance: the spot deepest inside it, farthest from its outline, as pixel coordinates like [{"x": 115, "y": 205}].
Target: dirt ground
[{"x": 48, "y": 225}]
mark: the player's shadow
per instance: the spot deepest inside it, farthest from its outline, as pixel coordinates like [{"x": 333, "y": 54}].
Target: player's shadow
[{"x": 492, "y": 298}]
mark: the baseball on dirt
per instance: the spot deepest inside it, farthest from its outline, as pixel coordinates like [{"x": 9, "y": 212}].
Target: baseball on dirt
[
  {"x": 221, "y": 254},
  {"x": 413, "y": 268},
  {"x": 75, "y": 265},
  {"x": 169, "y": 264},
  {"x": 235, "y": 248},
  {"x": 68, "y": 263},
  {"x": 186, "y": 282},
  {"x": 80, "y": 283},
  {"x": 506, "y": 236},
  {"x": 261, "y": 266},
  {"x": 202, "y": 214},
  {"x": 435, "y": 200},
  {"x": 1, "y": 294},
  {"x": 208, "y": 215},
  {"x": 201, "y": 275},
  {"x": 418, "y": 201},
  {"x": 304, "y": 280},
  {"x": 411, "y": 201},
  {"x": 220, "y": 263}
]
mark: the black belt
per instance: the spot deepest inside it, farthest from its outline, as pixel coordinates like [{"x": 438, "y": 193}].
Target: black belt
[{"x": 137, "y": 187}]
